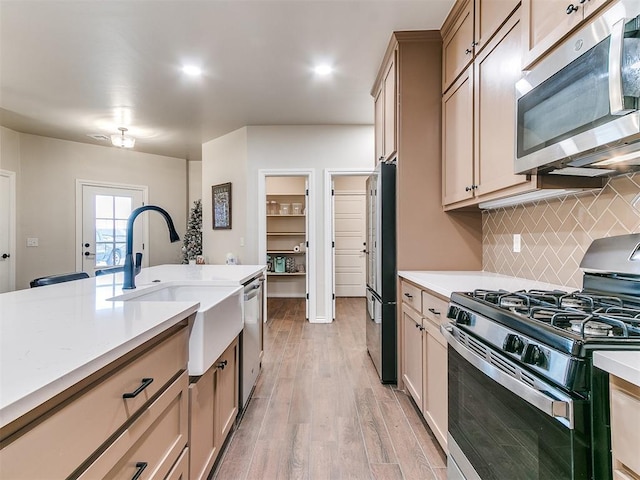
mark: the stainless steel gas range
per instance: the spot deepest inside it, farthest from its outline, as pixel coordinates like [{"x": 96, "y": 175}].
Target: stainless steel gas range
[{"x": 524, "y": 399}]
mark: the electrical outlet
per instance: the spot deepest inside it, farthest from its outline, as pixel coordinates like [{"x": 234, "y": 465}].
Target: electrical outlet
[
  {"x": 242, "y": 241},
  {"x": 517, "y": 243},
  {"x": 32, "y": 242}
]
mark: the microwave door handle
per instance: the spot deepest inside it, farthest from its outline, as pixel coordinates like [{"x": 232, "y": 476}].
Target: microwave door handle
[
  {"x": 558, "y": 409},
  {"x": 616, "y": 95}
]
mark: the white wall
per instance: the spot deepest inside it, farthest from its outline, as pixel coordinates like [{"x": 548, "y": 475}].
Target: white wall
[
  {"x": 238, "y": 157},
  {"x": 46, "y": 190},
  {"x": 225, "y": 160},
  {"x": 194, "y": 175}
]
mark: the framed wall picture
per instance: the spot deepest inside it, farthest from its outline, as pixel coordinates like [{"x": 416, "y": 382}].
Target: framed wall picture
[{"x": 221, "y": 199}]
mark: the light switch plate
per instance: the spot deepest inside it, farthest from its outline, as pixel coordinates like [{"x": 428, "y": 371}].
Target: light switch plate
[{"x": 32, "y": 242}]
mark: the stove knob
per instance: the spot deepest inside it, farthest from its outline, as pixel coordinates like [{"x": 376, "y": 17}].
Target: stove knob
[
  {"x": 535, "y": 356},
  {"x": 513, "y": 344},
  {"x": 453, "y": 312},
  {"x": 464, "y": 318}
]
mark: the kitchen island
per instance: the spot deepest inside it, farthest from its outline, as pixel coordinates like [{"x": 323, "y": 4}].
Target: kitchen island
[{"x": 58, "y": 342}]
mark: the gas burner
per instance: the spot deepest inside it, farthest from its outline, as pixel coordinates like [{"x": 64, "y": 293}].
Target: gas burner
[
  {"x": 573, "y": 301},
  {"x": 591, "y": 328},
  {"x": 513, "y": 302}
]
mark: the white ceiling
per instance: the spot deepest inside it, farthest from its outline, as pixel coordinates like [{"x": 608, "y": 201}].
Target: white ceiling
[{"x": 72, "y": 68}]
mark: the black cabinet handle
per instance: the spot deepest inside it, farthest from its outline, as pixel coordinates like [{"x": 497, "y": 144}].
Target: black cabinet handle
[
  {"x": 467, "y": 189},
  {"x": 467, "y": 51},
  {"x": 222, "y": 364},
  {"x": 145, "y": 383},
  {"x": 408, "y": 295},
  {"x": 5, "y": 255},
  {"x": 418, "y": 325},
  {"x": 140, "y": 466},
  {"x": 571, "y": 8},
  {"x": 434, "y": 311}
]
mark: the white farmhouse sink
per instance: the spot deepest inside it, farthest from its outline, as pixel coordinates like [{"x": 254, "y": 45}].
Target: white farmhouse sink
[{"x": 218, "y": 319}]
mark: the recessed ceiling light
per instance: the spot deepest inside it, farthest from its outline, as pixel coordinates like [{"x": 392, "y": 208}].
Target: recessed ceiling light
[
  {"x": 323, "y": 69},
  {"x": 192, "y": 70}
]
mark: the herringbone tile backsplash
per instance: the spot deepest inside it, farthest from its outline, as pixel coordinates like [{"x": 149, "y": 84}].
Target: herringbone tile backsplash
[{"x": 556, "y": 233}]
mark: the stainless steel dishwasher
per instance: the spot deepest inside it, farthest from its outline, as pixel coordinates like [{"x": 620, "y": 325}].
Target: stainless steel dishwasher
[{"x": 251, "y": 338}]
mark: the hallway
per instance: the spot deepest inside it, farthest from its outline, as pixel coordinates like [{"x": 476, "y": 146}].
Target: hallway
[{"x": 320, "y": 412}]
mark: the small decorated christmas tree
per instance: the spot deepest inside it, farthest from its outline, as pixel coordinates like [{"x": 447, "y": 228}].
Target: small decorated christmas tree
[{"x": 192, "y": 242}]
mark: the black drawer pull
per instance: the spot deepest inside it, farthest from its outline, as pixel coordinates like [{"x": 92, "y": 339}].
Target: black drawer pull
[
  {"x": 140, "y": 466},
  {"x": 222, "y": 364},
  {"x": 145, "y": 383},
  {"x": 408, "y": 295},
  {"x": 434, "y": 311}
]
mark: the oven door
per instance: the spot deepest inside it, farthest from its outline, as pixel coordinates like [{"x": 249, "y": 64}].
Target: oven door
[{"x": 506, "y": 423}]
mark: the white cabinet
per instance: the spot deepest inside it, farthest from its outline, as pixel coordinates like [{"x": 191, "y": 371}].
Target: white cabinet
[{"x": 412, "y": 353}]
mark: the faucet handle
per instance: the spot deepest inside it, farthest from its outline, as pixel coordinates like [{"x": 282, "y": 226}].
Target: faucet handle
[{"x": 138, "y": 262}]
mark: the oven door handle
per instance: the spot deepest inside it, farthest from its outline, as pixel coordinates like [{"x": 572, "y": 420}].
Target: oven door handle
[{"x": 559, "y": 409}]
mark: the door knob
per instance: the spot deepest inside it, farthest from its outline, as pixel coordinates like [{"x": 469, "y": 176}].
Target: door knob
[{"x": 5, "y": 255}]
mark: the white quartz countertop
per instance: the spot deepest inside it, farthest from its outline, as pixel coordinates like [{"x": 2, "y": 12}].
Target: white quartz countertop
[
  {"x": 622, "y": 364},
  {"x": 445, "y": 283},
  {"x": 54, "y": 336}
]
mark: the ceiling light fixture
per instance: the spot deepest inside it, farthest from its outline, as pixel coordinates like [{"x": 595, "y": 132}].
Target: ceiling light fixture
[
  {"x": 192, "y": 70},
  {"x": 122, "y": 141},
  {"x": 323, "y": 70}
]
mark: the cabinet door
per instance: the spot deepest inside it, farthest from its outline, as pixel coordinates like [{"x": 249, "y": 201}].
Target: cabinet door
[
  {"x": 496, "y": 71},
  {"x": 457, "y": 142},
  {"x": 379, "y": 124},
  {"x": 457, "y": 47},
  {"x": 202, "y": 427},
  {"x": 390, "y": 104},
  {"x": 412, "y": 353},
  {"x": 226, "y": 393},
  {"x": 545, "y": 23},
  {"x": 435, "y": 398},
  {"x": 489, "y": 16}
]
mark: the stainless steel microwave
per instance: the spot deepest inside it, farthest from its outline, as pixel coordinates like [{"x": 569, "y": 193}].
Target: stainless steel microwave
[{"x": 578, "y": 110}]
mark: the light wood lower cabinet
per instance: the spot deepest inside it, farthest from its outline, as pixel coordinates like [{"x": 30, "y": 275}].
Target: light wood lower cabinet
[
  {"x": 96, "y": 425},
  {"x": 423, "y": 356},
  {"x": 625, "y": 429},
  {"x": 213, "y": 407}
]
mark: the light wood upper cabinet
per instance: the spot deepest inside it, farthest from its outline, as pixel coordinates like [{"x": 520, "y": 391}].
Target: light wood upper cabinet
[
  {"x": 457, "y": 45},
  {"x": 386, "y": 104},
  {"x": 479, "y": 122},
  {"x": 467, "y": 30},
  {"x": 546, "y": 22},
  {"x": 379, "y": 123},
  {"x": 496, "y": 71},
  {"x": 457, "y": 140}
]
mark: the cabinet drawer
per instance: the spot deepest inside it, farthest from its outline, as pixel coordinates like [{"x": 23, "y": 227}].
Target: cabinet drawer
[
  {"x": 625, "y": 426},
  {"x": 152, "y": 443},
  {"x": 434, "y": 308},
  {"x": 180, "y": 470},
  {"x": 64, "y": 439},
  {"x": 411, "y": 296}
]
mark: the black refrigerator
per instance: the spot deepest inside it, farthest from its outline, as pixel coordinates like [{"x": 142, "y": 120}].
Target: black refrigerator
[{"x": 380, "y": 252}]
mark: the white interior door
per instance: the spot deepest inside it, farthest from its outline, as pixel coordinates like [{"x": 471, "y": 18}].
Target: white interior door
[
  {"x": 306, "y": 240},
  {"x": 350, "y": 239},
  {"x": 333, "y": 250},
  {"x": 105, "y": 211},
  {"x": 7, "y": 234}
]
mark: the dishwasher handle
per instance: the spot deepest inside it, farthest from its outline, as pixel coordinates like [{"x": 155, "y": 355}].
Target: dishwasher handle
[{"x": 252, "y": 291}]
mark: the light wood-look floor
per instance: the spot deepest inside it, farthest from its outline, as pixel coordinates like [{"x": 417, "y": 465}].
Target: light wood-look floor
[{"x": 320, "y": 412}]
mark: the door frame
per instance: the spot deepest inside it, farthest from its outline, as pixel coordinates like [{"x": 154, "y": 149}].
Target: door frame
[
  {"x": 309, "y": 173},
  {"x": 80, "y": 184},
  {"x": 12, "y": 227},
  {"x": 329, "y": 262}
]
